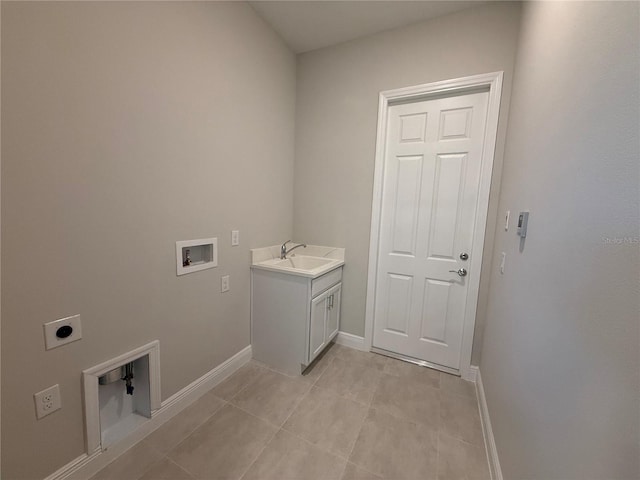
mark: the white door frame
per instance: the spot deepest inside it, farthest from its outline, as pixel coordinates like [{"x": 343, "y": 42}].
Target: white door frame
[{"x": 422, "y": 92}]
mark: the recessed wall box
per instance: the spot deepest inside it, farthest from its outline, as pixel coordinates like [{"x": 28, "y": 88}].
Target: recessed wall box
[
  {"x": 196, "y": 255},
  {"x": 112, "y": 410}
]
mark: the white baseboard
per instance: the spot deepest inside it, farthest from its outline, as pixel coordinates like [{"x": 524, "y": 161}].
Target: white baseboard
[
  {"x": 470, "y": 374},
  {"x": 350, "y": 340},
  {"x": 86, "y": 465},
  {"x": 487, "y": 431}
]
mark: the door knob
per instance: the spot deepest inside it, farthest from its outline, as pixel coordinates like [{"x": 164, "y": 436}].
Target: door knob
[{"x": 462, "y": 272}]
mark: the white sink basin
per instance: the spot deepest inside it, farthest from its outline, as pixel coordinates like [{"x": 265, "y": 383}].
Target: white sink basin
[
  {"x": 303, "y": 262},
  {"x": 304, "y": 265}
]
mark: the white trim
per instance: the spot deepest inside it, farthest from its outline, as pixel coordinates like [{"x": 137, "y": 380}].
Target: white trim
[
  {"x": 415, "y": 361},
  {"x": 471, "y": 374},
  {"x": 72, "y": 467},
  {"x": 214, "y": 377},
  {"x": 350, "y": 340},
  {"x": 87, "y": 465},
  {"x": 494, "y": 82},
  {"x": 212, "y": 262},
  {"x": 487, "y": 431}
]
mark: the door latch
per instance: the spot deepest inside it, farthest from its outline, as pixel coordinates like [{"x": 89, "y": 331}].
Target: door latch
[{"x": 462, "y": 272}]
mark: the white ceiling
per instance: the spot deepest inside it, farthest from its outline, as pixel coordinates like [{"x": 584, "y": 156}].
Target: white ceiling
[{"x": 308, "y": 25}]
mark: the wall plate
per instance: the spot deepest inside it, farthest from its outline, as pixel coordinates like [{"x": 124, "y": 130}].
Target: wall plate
[
  {"x": 224, "y": 283},
  {"x": 47, "y": 401},
  {"x": 63, "y": 331}
]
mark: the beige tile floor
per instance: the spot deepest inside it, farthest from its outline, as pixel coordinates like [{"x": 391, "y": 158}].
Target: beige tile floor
[{"x": 354, "y": 415}]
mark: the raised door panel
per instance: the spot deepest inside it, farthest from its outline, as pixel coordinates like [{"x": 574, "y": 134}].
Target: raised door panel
[
  {"x": 398, "y": 303},
  {"x": 317, "y": 327},
  {"x": 405, "y": 209},
  {"x": 333, "y": 314},
  {"x": 435, "y": 303}
]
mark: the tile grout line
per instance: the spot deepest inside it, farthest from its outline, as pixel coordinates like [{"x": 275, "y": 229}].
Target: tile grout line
[
  {"x": 440, "y": 400},
  {"x": 293, "y": 377},
  {"x": 353, "y": 447},
  {"x": 294, "y": 408},
  {"x": 461, "y": 440},
  {"x": 368, "y": 403},
  {"x": 329, "y": 362},
  {"x": 363, "y": 469},
  {"x": 271, "y": 424},
  {"x": 456, "y": 438},
  {"x": 182, "y": 468},
  {"x": 437, "y": 475},
  {"x": 370, "y": 407},
  {"x": 438, "y": 453},
  {"x": 328, "y": 392},
  {"x": 230, "y": 402},
  {"x": 224, "y": 404},
  {"x": 268, "y": 421},
  {"x": 250, "y": 382},
  {"x": 274, "y": 433},
  {"x": 144, "y": 472},
  {"x": 259, "y": 453},
  {"x": 311, "y": 444},
  {"x": 476, "y": 410},
  {"x": 277, "y": 428},
  {"x": 145, "y": 441}
]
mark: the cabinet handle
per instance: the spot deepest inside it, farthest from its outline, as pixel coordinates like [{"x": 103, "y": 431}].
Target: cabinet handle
[{"x": 331, "y": 300}]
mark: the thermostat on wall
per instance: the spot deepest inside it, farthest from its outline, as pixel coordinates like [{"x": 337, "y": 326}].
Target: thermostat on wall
[{"x": 523, "y": 219}]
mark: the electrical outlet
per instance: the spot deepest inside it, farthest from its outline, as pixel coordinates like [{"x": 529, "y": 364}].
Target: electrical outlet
[
  {"x": 235, "y": 238},
  {"x": 47, "y": 401},
  {"x": 224, "y": 283},
  {"x": 61, "y": 332}
]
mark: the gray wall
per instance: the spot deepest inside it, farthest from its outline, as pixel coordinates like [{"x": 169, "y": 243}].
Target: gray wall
[
  {"x": 336, "y": 119},
  {"x": 126, "y": 127},
  {"x": 560, "y": 360}
]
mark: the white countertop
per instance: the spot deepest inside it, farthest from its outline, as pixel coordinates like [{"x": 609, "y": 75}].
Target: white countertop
[{"x": 312, "y": 261}]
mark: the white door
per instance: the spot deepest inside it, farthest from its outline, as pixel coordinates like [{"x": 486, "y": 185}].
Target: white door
[{"x": 429, "y": 199}]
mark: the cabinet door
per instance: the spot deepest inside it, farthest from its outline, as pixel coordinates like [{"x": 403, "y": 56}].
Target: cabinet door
[
  {"x": 333, "y": 312},
  {"x": 317, "y": 327}
]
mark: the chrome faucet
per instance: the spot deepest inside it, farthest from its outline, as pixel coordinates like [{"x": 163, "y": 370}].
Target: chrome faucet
[{"x": 284, "y": 252}]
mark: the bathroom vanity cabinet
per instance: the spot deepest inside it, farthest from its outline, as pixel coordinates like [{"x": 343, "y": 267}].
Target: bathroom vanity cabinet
[{"x": 293, "y": 316}]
